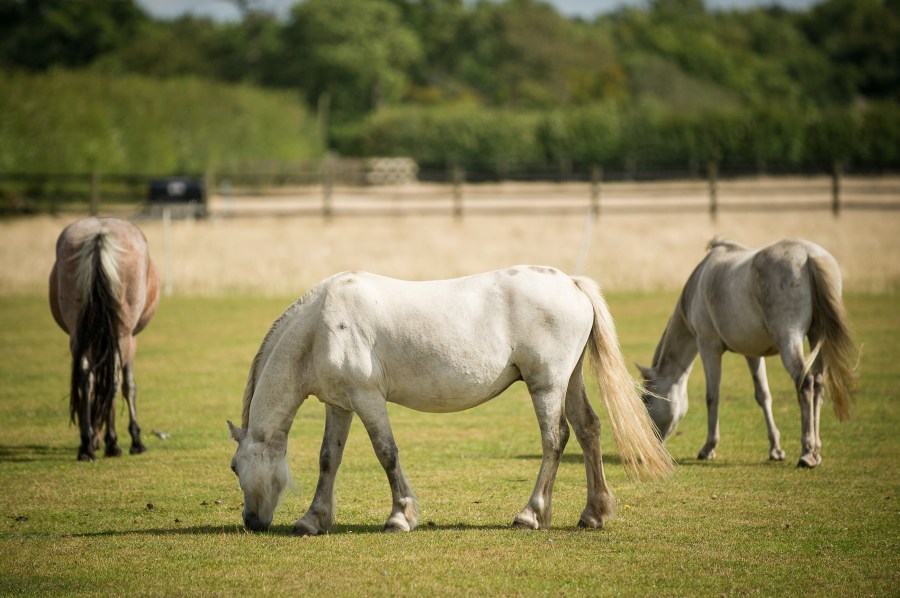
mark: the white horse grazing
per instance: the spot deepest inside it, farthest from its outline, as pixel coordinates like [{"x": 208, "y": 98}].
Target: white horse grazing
[
  {"x": 757, "y": 303},
  {"x": 357, "y": 341}
]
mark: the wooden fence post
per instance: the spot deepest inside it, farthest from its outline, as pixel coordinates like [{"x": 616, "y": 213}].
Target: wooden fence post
[
  {"x": 456, "y": 177},
  {"x": 836, "y": 172},
  {"x": 565, "y": 169},
  {"x": 95, "y": 192},
  {"x": 209, "y": 181},
  {"x": 327, "y": 187},
  {"x": 596, "y": 177},
  {"x": 712, "y": 171}
]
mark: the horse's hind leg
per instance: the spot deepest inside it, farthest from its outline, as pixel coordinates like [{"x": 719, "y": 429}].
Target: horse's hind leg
[
  {"x": 130, "y": 391},
  {"x": 320, "y": 514},
  {"x": 372, "y": 411},
  {"x": 111, "y": 438},
  {"x": 601, "y": 504},
  {"x": 818, "y": 398},
  {"x": 757, "y": 367},
  {"x": 86, "y": 450},
  {"x": 805, "y": 383},
  {"x": 548, "y": 405}
]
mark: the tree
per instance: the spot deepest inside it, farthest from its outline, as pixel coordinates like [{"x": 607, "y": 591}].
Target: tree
[
  {"x": 862, "y": 37},
  {"x": 39, "y": 34},
  {"x": 355, "y": 52}
]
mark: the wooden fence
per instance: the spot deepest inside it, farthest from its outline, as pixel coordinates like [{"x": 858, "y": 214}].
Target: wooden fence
[{"x": 338, "y": 188}]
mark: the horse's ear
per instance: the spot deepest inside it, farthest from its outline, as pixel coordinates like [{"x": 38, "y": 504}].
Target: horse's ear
[
  {"x": 647, "y": 373},
  {"x": 236, "y": 432}
]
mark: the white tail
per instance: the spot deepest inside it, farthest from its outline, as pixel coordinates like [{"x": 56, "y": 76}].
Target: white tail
[{"x": 640, "y": 449}]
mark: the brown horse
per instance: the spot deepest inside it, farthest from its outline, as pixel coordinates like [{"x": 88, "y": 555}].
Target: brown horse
[{"x": 103, "y": 291}]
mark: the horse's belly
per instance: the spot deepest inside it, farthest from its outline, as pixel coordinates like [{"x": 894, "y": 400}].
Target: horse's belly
[
  {"x": 751, "y": 341},
  {"x": 434, "y": 393}
]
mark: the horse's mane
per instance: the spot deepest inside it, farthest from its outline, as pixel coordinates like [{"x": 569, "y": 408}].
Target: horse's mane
[
  {"x": 264, "y": 349},
  {"x": 679, "y": 314}
]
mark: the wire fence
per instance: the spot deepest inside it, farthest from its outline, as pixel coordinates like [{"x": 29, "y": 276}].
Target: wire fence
[{"x": 339, "y": 187}]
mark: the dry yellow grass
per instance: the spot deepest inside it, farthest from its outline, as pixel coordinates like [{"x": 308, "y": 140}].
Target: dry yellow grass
[{"x": 627, "y": 252}]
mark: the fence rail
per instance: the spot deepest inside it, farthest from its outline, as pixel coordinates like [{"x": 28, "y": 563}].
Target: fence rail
[{"x": 337, "y": 187}]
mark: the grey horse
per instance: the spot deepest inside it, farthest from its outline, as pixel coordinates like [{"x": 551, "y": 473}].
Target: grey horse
[{"x": 757, "y": 302}]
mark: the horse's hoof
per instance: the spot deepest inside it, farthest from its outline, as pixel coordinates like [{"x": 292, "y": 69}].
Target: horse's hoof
[
  {"x": 398, "y": 523},
  {"x": 776, "y": 455},
  {"x": 591, "y": 523},
  {"x": 137, "y": 449},
  {"x": 301, "y": 529},
  {"x": 393, "y": 529},
  {"x": 807, "y": 462},
  {"x": 88, "y": 457},
  {"x": 705, "y": 455},
  {"x": 113, "y": 451},
  {"x": 525, "y": 521}
]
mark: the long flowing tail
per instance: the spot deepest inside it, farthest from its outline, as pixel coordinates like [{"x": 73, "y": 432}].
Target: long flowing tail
[
  {"x": 95, "y": 348},
  {"x": 835, "y": 345},
  {"x": 640, "y": 448}
]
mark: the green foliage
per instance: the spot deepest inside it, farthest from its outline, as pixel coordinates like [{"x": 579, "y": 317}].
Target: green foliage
[
  {"x": 41, "y": 34},
  {"x": 354, "y": 52},
  {"x": 435, "y": 136},
  {"x": 644, "y": 136},
  {"x": 862, "y": 39},
  {"x": 79, "y": 121},
  {"x": 666, "y": 85}
]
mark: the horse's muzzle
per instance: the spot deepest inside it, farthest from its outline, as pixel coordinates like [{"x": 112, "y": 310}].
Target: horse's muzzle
[{"x": 254, "y": 523}]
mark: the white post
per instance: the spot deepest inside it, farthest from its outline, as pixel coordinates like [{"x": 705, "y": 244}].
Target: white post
[
  {"x": 585, "y": 242},
  {"x": 167, "y": 250}
]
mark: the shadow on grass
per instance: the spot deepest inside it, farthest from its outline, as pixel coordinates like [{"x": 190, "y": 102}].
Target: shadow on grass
[
  {"x": 27, "y": 453},
  {"x": 610, "y": 458},
  {"x": 614, "y": 459},
  {"x": 282, "y": 530}
]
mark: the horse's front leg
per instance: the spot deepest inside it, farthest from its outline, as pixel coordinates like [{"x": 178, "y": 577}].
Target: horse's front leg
[
  {"x": 320, "y": 515},
  {"x": 548, "y": 405},
  {"x": 711, "y": 355},
  {"x": 372, "y": 410},
  {"x": 757, "y": 367}
]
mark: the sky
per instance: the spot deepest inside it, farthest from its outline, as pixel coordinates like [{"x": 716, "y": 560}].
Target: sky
[{"x": 225, "y": 10}]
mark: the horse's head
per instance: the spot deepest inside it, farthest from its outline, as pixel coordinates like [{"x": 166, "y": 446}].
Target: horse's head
[
  {"x": 666, "y": 401},
  {"x": 262, "y": 471}
]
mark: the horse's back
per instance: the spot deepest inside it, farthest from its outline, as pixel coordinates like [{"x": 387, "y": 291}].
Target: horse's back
[{"x": 447, "y": 345}]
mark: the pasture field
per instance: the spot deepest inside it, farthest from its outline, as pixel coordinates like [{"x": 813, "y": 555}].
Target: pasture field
[
  {"x": 168, "y": 522},
  {"x": 282, "y": 256}
]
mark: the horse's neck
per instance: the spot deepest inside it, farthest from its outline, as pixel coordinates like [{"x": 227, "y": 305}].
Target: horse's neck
[
  {"x": 277, "y": 397},
  {"x": 278, "y": 375},
  {"x": 676, "y": 350}
]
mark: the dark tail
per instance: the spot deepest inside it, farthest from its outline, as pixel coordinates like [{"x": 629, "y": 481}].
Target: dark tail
[
  {"x": 835, "y": 344},
  {"x": 95, "y": 348}
]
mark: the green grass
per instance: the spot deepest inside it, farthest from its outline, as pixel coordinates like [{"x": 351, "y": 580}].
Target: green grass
[{"x": 168, "y": 522}]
